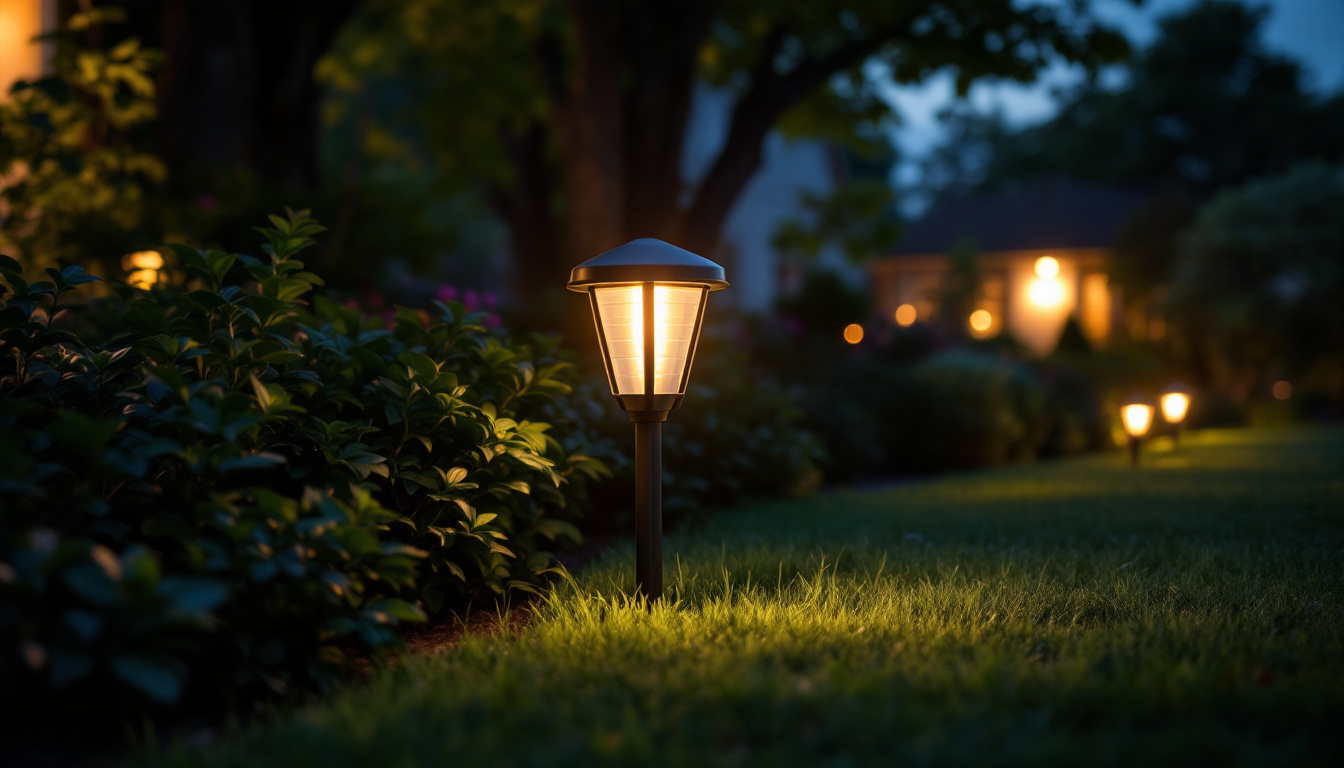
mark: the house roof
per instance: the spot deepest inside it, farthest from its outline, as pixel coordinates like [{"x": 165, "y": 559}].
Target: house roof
[{"x": 1044, "y": 214}]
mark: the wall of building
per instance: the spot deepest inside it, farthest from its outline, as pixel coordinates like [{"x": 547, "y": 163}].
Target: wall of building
[
  {"x": 20, "y": 22},
  {"x": 1020, "y": 302}
]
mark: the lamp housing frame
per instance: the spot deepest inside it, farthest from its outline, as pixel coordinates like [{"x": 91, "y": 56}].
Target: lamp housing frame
[{"x": 648, "y": 263}]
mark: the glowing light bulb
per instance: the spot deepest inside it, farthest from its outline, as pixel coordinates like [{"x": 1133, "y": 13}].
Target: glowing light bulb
[
  {"x": 675, "y": 308},
  {"x": 1174, "y": 407},
  {"x": 1138, "y": 418},
  {"x": 1047, "y": 267}
]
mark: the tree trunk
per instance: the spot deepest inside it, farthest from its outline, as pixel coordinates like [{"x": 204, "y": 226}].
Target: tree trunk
[{"x": 237, "y": 88}]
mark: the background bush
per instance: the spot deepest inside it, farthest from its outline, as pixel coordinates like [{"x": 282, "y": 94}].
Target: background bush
[{"x": 228, "y": 487}]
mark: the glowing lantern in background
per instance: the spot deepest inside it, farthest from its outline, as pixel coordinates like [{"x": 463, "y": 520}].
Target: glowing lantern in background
[
  {"x": 1137, "y": 416},
  {"x": 1175, "y": 404},
  {"x": 648, "y": 299}
]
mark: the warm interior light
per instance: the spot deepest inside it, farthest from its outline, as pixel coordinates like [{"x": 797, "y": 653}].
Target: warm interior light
[
  {"x": 1046, "y": 292},
  {"x": 1047, "y": 267},
  {"x": 1138, "y": 417},
  {"x": 906, "y": 315},
  {"x": 981, "y": 320},
  {"x": 853, "y": 333},
  {"x": 621, "y": 311},
  {"x": 1282, "y": 390},
  {"x": 1174, "y": 406}
]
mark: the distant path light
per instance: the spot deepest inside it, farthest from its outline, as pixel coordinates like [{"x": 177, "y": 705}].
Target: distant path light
[
  {"x": 1047, "y": 267},
  {"x": 1046, "y": 292},
  {"x": 853, "y": 333},
  {"x": 1282, "y": 390},
  {"x": 906, "y": 315},
  {"x": 981, "y": 320}
]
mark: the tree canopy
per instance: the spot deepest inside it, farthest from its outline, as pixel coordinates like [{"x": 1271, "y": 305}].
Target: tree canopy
[{"x": 571, "y": 117}]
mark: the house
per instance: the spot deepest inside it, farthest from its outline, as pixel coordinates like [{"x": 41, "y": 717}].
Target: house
[{"x": 1042, "y": 251}]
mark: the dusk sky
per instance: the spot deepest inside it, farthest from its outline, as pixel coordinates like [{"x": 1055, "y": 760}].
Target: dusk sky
[{"x": 1311, "y": 31}]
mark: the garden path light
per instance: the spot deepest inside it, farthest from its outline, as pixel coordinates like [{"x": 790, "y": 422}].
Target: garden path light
[
  {"x": 648, "y": 299},
  {"x": 1137, "y": 415},
  {"x": 1175, "y": 403}
]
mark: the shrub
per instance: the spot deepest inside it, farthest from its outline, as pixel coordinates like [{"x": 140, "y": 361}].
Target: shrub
[
  {"x": 231, "y": 475},
  {"x": 737, "y": 437}
]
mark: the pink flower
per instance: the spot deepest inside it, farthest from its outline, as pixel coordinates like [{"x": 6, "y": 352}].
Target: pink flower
[
  {"x": 491, "y": 300},
  {"x": 446, "y": 293},
  {"x": 493, "y": 321},
  {"x": 472, "y": 301}
]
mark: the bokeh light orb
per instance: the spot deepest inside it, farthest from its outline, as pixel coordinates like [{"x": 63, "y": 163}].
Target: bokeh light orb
[
  {"x": 1282, "y": 390},
  {"x": 1047, "y": 267},
  {"x": 981, "y": 320},
  {"x": 853, "y": 333},
  {"x": 906, "y": 315}
]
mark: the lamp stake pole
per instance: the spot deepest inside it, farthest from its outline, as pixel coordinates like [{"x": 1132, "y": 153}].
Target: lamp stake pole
[
  {"x": 1133, "y": 451},
  {"x": 649, "y": 509}
]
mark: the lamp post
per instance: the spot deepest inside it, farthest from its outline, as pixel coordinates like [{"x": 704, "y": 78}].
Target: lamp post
[
  {"x": 1175, "y": 403},
  {"x": 648, "y": 299},
  {"x": 1137, "y": 415}
]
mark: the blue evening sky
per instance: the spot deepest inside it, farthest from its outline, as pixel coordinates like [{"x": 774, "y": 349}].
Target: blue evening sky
[{"x": 1311, "y": 31}]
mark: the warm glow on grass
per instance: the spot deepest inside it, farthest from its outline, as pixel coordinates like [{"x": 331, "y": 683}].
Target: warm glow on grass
[
  {"x": 1174, "y": 407},
  {"x": 1138, "y": 417},
  {"x": 853, "y": 333},
  {"x": 906, "y": 315}
]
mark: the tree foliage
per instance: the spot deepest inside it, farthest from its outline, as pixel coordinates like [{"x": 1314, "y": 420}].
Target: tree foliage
[
  {"x": 1260, "y": 283},
  {"x": 69, "y": 175},
  {"x": 571, "y": 117}
]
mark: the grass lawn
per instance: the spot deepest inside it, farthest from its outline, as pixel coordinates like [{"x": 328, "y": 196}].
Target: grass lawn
[{"x": 1187, "y": 612}]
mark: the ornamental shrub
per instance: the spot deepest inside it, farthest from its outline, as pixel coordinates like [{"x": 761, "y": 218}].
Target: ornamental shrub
[{"x": 228, "y": 485}]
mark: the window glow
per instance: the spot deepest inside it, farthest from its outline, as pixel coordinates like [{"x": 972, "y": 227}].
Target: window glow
[
  {"x": 621, "y": 312},
  {"x": 1174, "y": 407},
  {"x": 1138, "y": 417},
  {"x": 1047, "y": 267},
  {"x": 906, "y": 315},
  {"x": 1046, "y": 292},
  {"x": 981, "y": 320},
  {"x": 853, "y": 333}
]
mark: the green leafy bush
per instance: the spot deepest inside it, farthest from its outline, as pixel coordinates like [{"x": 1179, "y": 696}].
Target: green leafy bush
[{"x": 227, "y": 474}]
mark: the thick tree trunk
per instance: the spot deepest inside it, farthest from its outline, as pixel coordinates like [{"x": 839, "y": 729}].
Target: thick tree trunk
[
  {"x": 591, "y": 129},
  {"x": 237, "y": 88}
]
